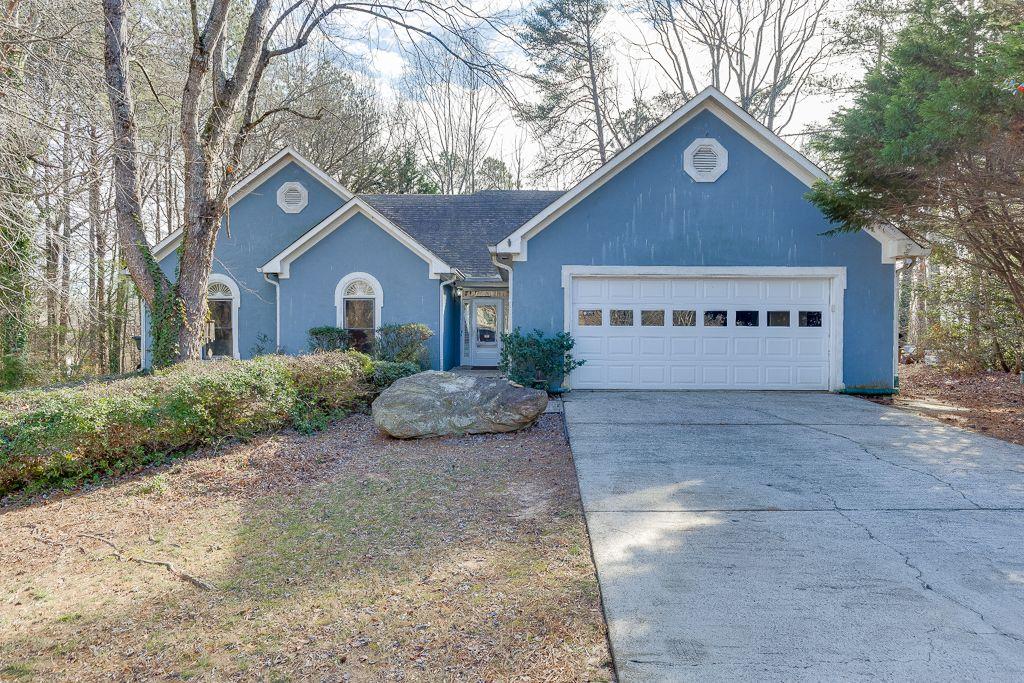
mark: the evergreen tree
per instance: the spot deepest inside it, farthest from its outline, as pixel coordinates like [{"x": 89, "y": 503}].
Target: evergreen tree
[
  {"x": 934, "y": 141},
  {"x": 565, "y": 40},
  {"x": 494, "y": 175},
  {"x": 15, "y": 261},
  {"x": 399, "y": 172}
]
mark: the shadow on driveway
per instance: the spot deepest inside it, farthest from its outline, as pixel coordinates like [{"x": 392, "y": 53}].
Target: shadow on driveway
[{"x": 780, "y": 535}]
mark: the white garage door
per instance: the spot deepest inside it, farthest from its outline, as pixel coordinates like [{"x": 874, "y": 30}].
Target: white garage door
[{"x": 707, "y": 333}]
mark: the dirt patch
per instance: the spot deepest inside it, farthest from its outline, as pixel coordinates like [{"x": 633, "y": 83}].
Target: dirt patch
[
  {"x": 339, "y": 556},
  {"x": 991, "y": 403}
]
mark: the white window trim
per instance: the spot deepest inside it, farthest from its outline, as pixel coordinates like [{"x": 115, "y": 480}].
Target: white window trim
[
  {"x": 339, "y": 297},
  {"x": 236, "y": 303},
  {"x": 836, "y": 276},
  {"x": 723, "y": 160},
  {"x": 285, "y": 189}
]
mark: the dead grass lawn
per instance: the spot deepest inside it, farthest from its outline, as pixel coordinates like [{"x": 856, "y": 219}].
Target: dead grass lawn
[{"x": 338, "y": 556}]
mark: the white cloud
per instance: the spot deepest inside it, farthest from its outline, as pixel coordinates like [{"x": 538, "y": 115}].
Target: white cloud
[{"x": 386, "y": 64}]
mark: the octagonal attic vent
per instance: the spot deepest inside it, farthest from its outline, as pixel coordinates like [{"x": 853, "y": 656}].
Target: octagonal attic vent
[
  {"x": 705, "y": 160},
  {"x": 292, "y": 197}
]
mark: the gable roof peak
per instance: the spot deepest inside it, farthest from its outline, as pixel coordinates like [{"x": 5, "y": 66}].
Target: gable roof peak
[
  {"x": 262, "y": 173},
  {"x": 275, "y": 163},
  {"x": 280, "y": 263},
  {"x": 725, "y": 109}
]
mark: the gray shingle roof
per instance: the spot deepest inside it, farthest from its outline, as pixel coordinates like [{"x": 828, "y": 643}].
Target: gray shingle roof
[{"x": 459, "y": 228}]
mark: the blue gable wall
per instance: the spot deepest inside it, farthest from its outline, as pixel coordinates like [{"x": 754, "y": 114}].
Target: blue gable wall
[
  {"x": 653, "y": 214},
  {"x": 259, "y": 231},
  {"x": 358, "y": 245}
]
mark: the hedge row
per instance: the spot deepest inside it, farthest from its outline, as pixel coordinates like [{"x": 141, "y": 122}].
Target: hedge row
[{"x": 61, "y": 437}]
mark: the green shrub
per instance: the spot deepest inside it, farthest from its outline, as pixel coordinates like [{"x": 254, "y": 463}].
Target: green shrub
[
  {"x": 60, "y": 437},
  {"x": 403, "y": 344},
  {"x": 535, "y": 360},
  {"x": 385, "y": 373},
  {"x": 329, "y": 338},
  {"x": 14, "y": 370}
]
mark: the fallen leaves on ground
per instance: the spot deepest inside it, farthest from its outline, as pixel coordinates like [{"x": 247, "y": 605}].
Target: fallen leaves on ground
[
  {"x": 343, "y": 555},
  {"x": 992, "y": 402}
]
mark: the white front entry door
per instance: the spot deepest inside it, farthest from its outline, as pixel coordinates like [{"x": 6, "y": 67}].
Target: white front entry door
[
  {"x": 701, "y": 333},
  {"x": 486, "y": 318}
]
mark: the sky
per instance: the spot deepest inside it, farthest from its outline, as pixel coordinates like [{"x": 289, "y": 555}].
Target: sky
[{"x": 385, "y": 62}]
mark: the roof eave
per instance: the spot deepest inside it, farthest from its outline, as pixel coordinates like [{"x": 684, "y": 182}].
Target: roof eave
[{"x": 896, "y": 245}]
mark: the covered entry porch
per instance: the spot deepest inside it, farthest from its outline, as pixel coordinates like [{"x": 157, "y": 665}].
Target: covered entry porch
[{"x": 484, "y": 318}]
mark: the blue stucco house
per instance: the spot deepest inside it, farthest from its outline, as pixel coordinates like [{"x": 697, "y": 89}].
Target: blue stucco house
[{"x": 690, "y": 260}]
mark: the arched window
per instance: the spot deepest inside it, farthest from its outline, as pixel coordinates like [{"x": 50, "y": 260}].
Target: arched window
[
  {"x": 358, "y": 299},
  {"x": 222, "y": 325}
]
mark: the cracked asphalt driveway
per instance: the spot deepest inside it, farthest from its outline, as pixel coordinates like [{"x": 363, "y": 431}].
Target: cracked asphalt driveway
[{"x": 799, "y": 536}]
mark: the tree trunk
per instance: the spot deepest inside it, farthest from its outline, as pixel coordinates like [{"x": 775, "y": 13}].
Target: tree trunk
[
  {"x": 974, "y": 319},
  {"x": 52, "y": 248},
  {"x": 193, "y": 278},
  {"x": 98, "y": 253},
  {"x": 135, "y": 250},
  {"x": 595, "y": 97},
  {"x": 64, "y": 293},
  {"x": 919, "y": 307}
]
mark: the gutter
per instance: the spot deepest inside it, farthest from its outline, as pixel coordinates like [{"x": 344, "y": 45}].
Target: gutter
[
  {"x": 507, "y": 269},
  {"x": 276, "y": 281}
]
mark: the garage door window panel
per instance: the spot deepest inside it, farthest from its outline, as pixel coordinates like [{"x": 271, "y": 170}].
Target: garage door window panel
[
  {"x": 652, "y": 318},
  {"x": 590, "y": 317},
  {"x": 810, "y": 318},
  {"x": 778, "y": 318},
  {"x": 716, "y": 318},
  {"x": 684, "y": 318},
  {"x": 621, "y": 317},
  {"x": 748, "y": 318}
]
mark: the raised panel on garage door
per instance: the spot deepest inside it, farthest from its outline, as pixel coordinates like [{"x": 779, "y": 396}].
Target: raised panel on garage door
[{"x": 693, "y": 332}]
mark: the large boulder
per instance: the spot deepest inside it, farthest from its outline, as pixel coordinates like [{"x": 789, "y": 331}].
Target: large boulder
[{"x": 438, "y": 403}]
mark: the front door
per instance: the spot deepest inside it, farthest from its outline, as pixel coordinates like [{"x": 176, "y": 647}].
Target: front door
[{"x": 486, "y": 316}]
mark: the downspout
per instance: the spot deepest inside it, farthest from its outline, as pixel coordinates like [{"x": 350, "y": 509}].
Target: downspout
[
  {"x": 507, "y": 269},
  {"x": 276, "y": 281},
  {"x": 896, "y": 324},
  {"x": 443, "y": 328}
]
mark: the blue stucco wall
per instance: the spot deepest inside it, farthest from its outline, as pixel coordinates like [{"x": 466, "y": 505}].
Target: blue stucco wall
[
  {"x": 358, "y": 245},
  {"x": 654, "y": 214},
  {"x": 259, "y": 230},
  {"x": 452, "y": 330}
]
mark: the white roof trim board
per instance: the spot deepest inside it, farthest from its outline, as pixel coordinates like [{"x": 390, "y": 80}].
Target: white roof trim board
[
  {"x": 893, "y": 241},
  {"x": 896, "y": 246},
  {"x": 261, "y": 174},
  {"x": 281, "y": 263}
]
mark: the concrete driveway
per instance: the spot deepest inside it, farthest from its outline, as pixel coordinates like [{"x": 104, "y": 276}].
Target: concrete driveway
[{"x": 782, "y": 536}]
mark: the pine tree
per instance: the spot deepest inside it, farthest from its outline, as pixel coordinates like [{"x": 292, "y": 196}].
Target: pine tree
[
  {"x": 934, "y": 142},
  {"x": 565, "y": 40}
]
